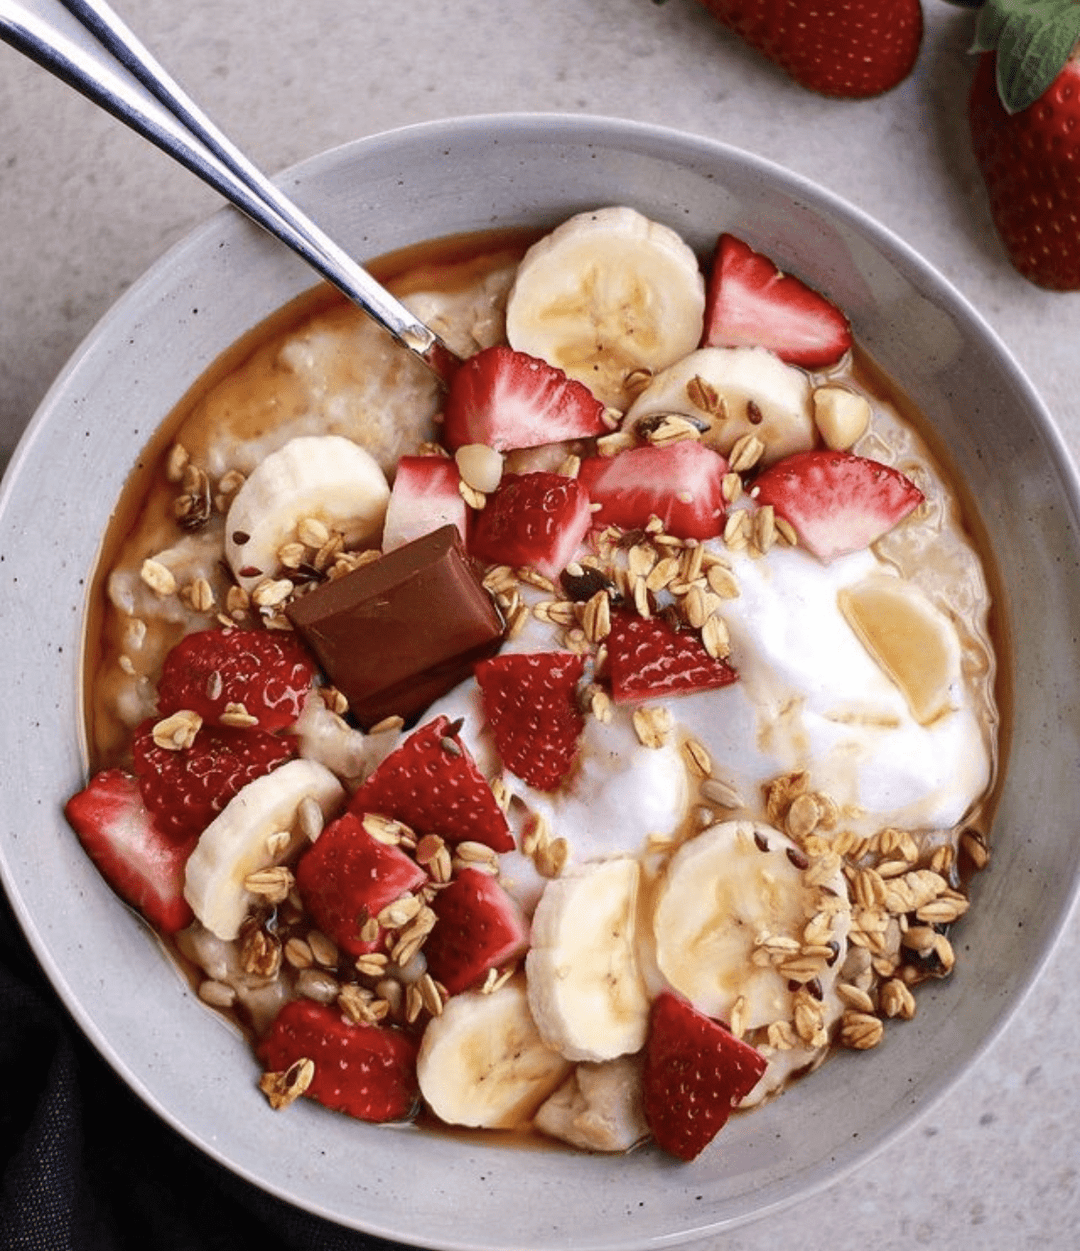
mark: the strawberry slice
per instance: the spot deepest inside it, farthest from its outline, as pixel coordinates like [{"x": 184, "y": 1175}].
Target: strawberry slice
[
  {"x": 837, "y": 502},
  {"x": 680, "y": 483},
  {"x": 265, "y": 673},
  {"x": 432, "y": 784},
  {"x": 479, "y": 927},
  {"x": 508, "y": 399},
  {"x": 695, "y": 1072},
  {"x": 749, "y": 302},
  {"x": 143, "y": 865},
  {"x": 424, "y": 497},
  {"x": 348, "y": 877},
  {"x": 186, "y": 789},
  {"x": 530, "y": 699},
  {"x": 650, "y": 659},
  {"x": 365, "y": 1071},
  {"x": 532, "y": 519}
]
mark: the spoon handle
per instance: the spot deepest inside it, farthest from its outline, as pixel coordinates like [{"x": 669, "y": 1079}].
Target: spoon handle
[{"x": 99, "y": 56}]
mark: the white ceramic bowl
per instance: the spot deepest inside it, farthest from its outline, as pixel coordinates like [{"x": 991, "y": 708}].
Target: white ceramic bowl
[{"x": 375, "y": 196}]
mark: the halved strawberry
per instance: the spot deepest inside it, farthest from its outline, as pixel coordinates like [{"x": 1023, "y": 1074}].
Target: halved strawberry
[
  {"x": 530, "y": 699},
  {"x": 348, "y": 877},
  {"x": 680, "y": 483},
  {"x": 650, "y": 659},
  {"x": 508, "y": 399},
  {"x": 424, "y": 497},
  {"x": 265, "y": 673},
  {"x": 479, "y": 927},
  {"x": 695, "y": 1072},
  {"x": 139, "y": 862},
  {"x": 749, "y": 302},
  {"x": 186, "y": 789},
  {"x": 432, "y": 784},
  {"x": 366, "y": 1071},
  {"x": 532, "y": 519},
  {"x": 837, "y": 502}
]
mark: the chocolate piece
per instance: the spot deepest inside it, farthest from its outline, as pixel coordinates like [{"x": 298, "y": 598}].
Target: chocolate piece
[{"x": 396, "y": 634}]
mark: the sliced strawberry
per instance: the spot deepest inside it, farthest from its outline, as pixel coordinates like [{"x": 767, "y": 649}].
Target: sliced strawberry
[
  {"x": 650, "y": 659},
  {"x": 530, "y": 699},
  {"x": 266, "y": 673},
  {"x": 432, "y": 784},
  {"x": 142, "y": 864},
  {"x": 366, "y": 1071},
  {"x": 479, "y": 927},
  {"x": 680, "y": 483},
  {"x": 751, "y": 303},
  {"x": 507, "y": 399},
  {"x": 532, "y": 519},
  {"x": 424, "y": 497},
  {"x": 186, "y": 789},
  {"x": 837, "y": 502},
  {"x": 347, "y": 877},
  {"x": 695, "y": 1072}
]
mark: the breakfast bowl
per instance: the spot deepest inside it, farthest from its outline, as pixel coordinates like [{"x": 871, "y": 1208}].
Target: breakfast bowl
[{"x": 452, "y": 1190}]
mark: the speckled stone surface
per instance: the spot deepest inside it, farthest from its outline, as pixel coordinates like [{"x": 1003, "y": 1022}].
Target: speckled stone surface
[{"x": 86, "y": 206}]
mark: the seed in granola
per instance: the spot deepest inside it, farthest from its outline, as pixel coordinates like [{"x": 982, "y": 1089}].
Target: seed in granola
[
  {"x": 698, "y": 757},
  {"x": 237, "y": 715},
  {"x": 158, "y": 577},
  {"x": 318, "y": 985},
  {"x": 855, "y": 997},
  {"x": 217, "y": 994},
  {"x": 177, "y": 732},
  {"x": 298, "y": 953},
  {"x": 720, "y": 794}
]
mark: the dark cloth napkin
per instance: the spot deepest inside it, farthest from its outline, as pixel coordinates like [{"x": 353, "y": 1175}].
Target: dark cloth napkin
[{"x": 86, "y": 1166}]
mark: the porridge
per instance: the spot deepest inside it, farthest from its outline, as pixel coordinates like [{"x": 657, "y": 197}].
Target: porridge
[{"x": 591, "y": 749}]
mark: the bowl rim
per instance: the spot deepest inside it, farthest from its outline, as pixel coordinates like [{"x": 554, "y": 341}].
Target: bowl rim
[{"x": 572, "y": 128}]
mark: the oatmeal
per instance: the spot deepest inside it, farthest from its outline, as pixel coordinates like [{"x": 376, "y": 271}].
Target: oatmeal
[{"x": 496, "y": 755}]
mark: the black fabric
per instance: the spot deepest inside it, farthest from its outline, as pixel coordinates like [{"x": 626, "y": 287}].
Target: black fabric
[{"x": 86, "y": 1166}]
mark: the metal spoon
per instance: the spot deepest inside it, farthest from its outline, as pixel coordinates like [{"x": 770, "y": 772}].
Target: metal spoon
[{"x": 87, "y": 45}]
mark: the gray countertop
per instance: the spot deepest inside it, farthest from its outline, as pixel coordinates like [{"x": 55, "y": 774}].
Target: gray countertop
[{"x": 86, "y": 206}]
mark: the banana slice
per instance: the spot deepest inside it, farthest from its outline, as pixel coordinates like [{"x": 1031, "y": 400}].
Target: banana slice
[
  {"x": 598, "y": 1108},
  {"x": 483, "y": 1063},
  {"x": 257, "y": 829},
  {"x": 323, "y": 478},
  {"x": 743, "y": 921},
  {"x": 586, "y": 987},
  {"x": 605, "y": 295},
  {"x": 735, "y": 392}
]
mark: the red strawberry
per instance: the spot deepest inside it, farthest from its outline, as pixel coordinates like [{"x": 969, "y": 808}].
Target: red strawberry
[
  {"x": 347, "y": 877},
  {"x": 695, "y": 1072},
  {"x": 507, "y": 400},
  {"x": 680, "y": 483},
  {"x": 432, "y": 784},
  {"x": 186, "y": 789},
  {"x": 532, "y": 519},
  {"x": 751, "y": 303},
  {"x": 140, "y": 863},
  {"x": 650, "y": 659},
  {"x": 531, "y": 702},
  {"x": 836, "y": 501},
  {"x": 853, "y": 49},
  {"x": 1023, "y": 112},
  {"x": 424, "y": 497},
  {"x": 266, "y": 672},
  {"x": 366, "y": 1071},
  {"x": 479, "y": 927}
]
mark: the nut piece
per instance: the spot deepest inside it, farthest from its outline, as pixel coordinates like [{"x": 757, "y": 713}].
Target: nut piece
[{"x": 841, "y": 416}]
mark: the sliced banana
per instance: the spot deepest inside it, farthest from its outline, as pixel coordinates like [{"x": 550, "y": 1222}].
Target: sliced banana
[
  {"x": 743, "y": 921},
  {"x": 483, "y": 1063},
  {"x": 598, "y": 1108},
  {"x": 607, "y": 294},
  {"x": 586, "y": 988},
  {"x": 325, "y": 479},
  {"x": 912, "y": 640},
  {"x": 259, "y": 828},
  {"x": 735, "y": 392}
]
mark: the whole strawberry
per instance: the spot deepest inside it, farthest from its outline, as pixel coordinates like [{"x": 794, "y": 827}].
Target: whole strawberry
[
  {"x": 846, "y": 48},
  {"x": 1024, "y": 114}
]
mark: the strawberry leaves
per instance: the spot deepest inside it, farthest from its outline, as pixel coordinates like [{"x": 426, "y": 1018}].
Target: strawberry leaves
[{"x": 1033, "y": 39}]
